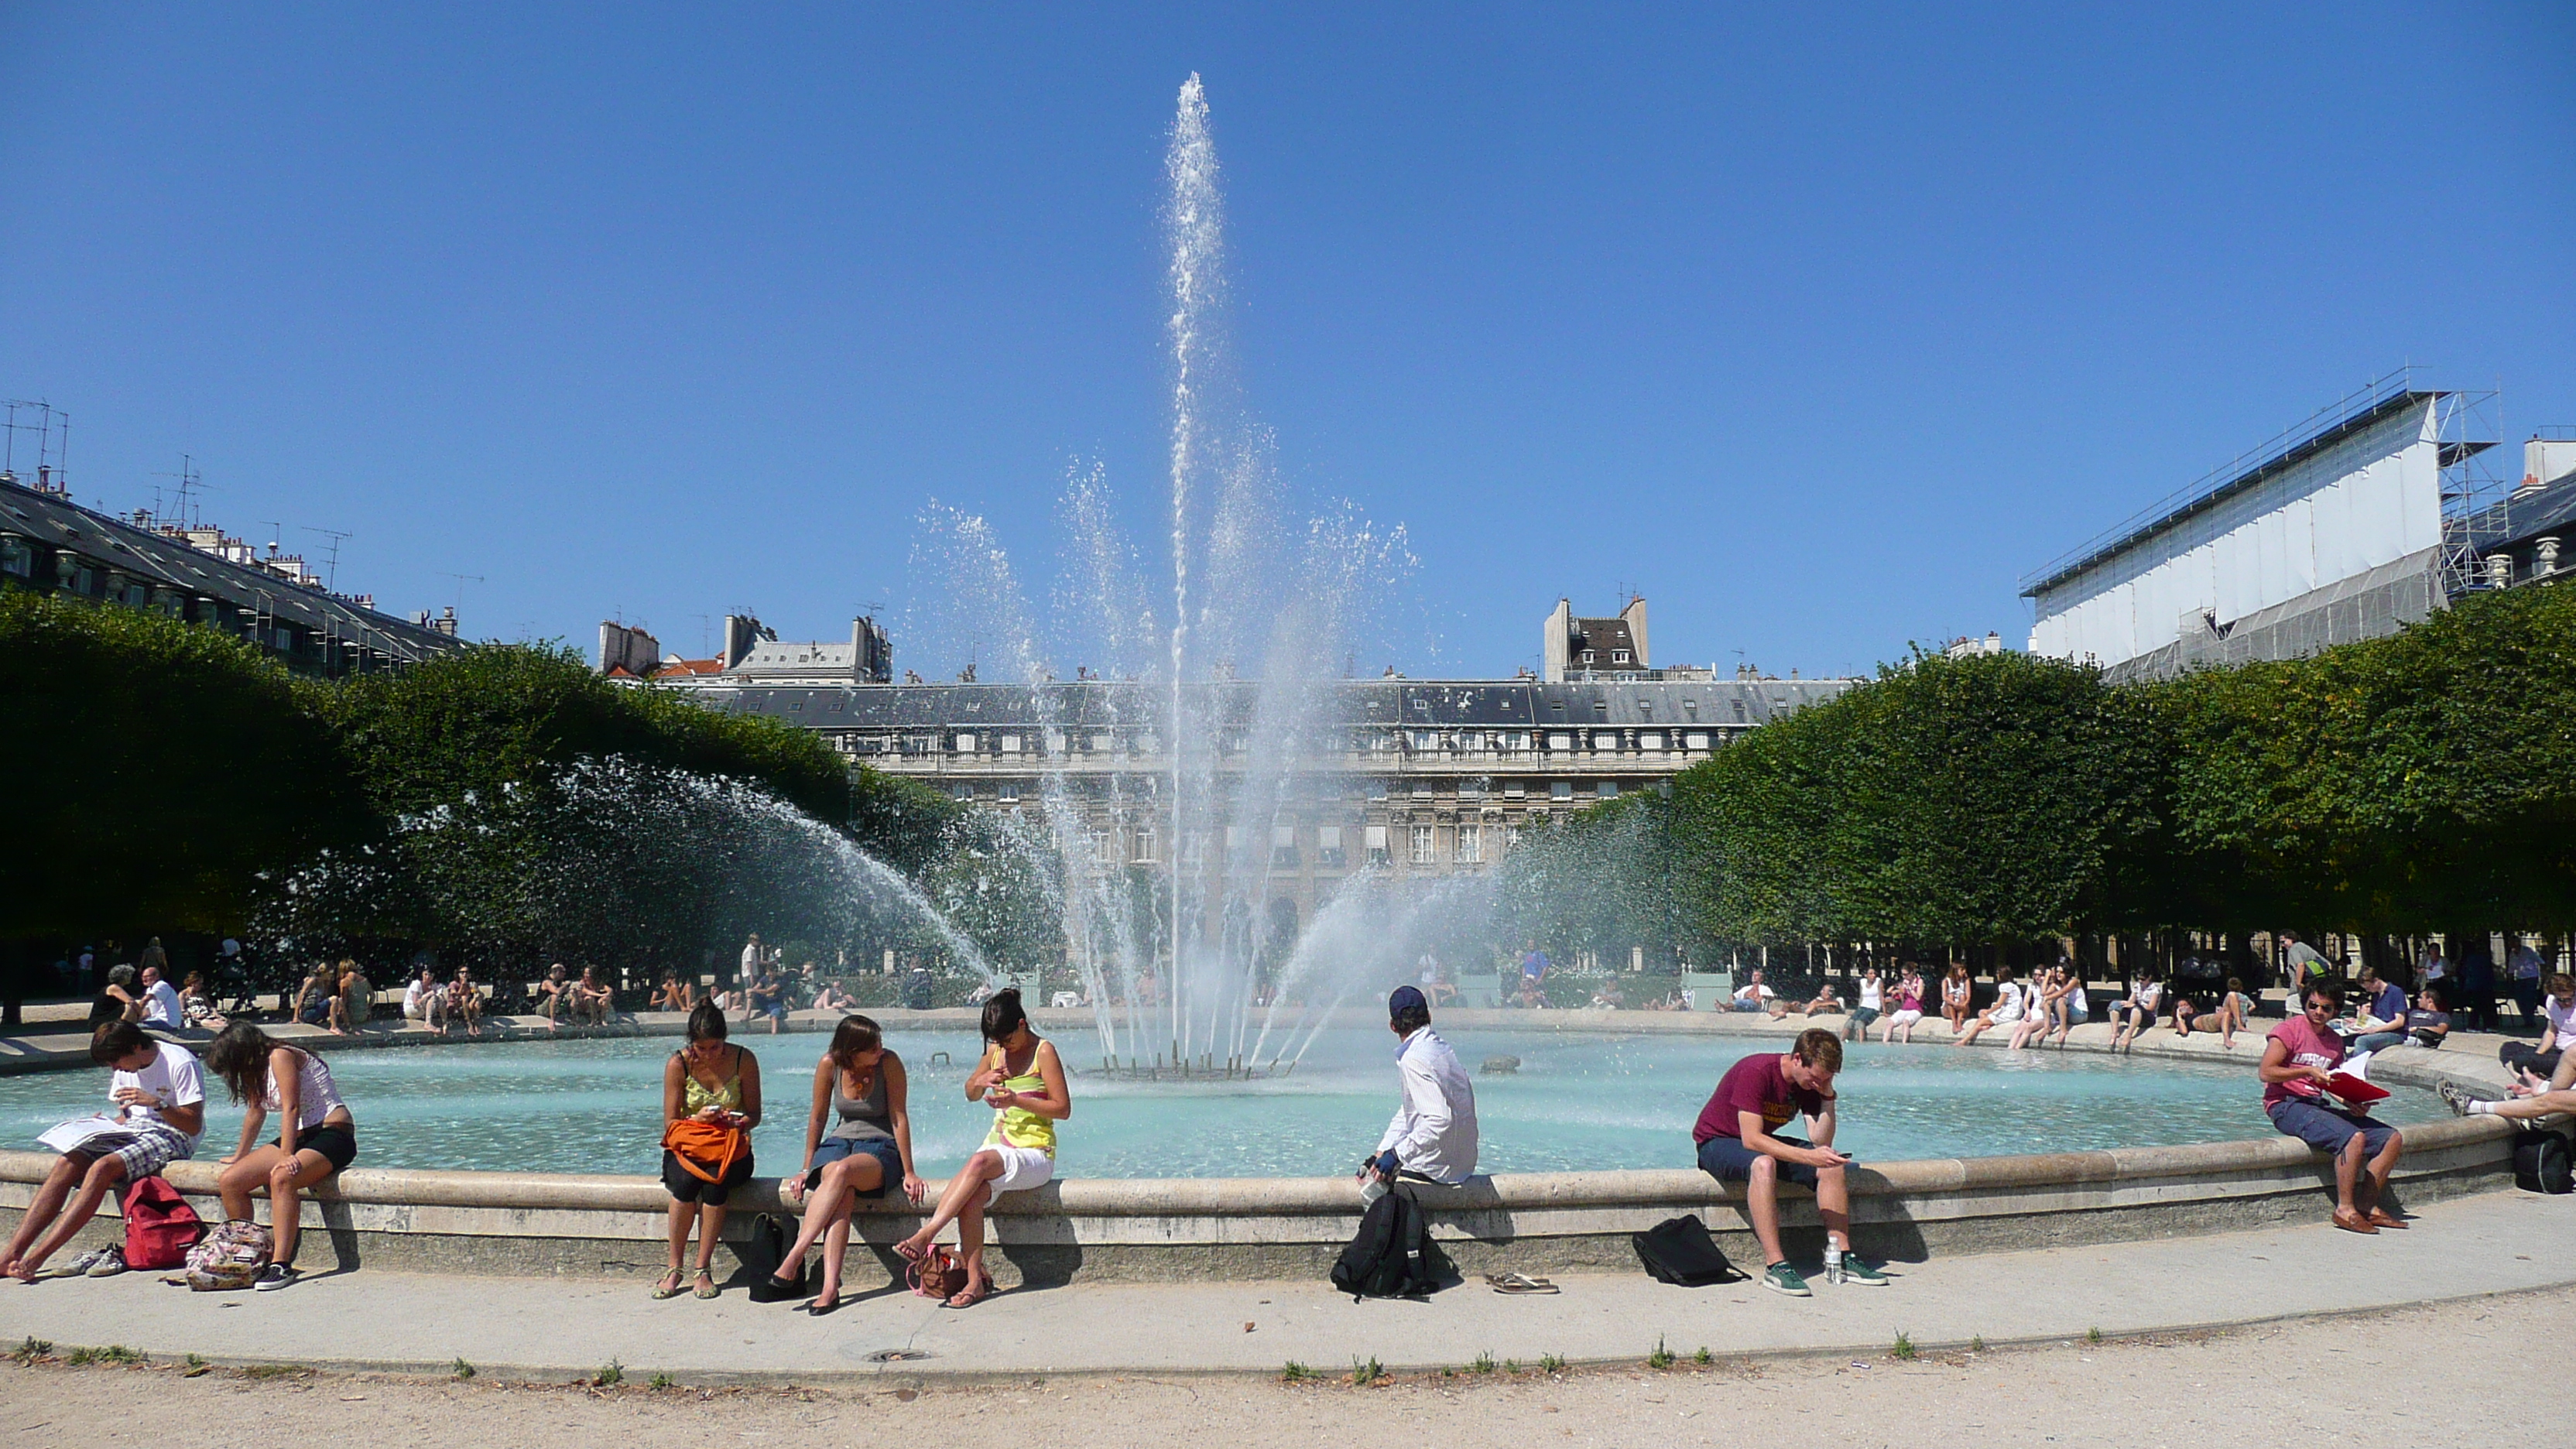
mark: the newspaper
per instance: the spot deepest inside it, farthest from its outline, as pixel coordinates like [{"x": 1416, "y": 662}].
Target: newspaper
[{"x": 80, "y": 1133}]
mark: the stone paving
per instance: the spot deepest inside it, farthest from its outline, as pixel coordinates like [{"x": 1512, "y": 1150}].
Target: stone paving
[{"x": 555, "y": 1328}]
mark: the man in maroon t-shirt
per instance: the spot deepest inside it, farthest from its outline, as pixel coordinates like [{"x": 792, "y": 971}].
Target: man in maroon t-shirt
[
  {"x": 2299, "y": 1061},
  {"x": 1739, "y": 1141}
]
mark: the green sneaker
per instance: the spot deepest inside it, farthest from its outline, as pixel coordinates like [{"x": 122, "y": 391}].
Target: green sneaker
[
  {"x": 1781, "y": 1278},
  {"x": 1861, "y": 1274}
]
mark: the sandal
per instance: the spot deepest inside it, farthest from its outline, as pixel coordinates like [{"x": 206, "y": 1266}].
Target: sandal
[
  {"x": 669, "y": 1287},
  {"x": 970, "y": 1295},
  {"x": 706, "y": 1285},
  {"x": 1519, "y": 1283},
  {"x": 910, "y": 1254}
]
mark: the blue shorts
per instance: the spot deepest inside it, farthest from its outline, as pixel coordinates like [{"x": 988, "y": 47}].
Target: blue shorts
[
  {"x": 2327, "y": 1129},
  {"x": 834, "y": 1149},
  {"x": 1728, "y": 1160}
]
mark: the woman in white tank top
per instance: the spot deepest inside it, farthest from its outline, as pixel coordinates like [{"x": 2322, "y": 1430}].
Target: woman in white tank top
[{"x": 316, "y": 1136}]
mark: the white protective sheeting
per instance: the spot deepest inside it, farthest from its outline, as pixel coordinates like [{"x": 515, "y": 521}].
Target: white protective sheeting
[{"x": 2364, "y": 501}]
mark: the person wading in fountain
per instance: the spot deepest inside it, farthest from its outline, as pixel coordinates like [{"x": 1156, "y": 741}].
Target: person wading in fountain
[
  {"x": 1739, "y": 1141},
  {"x": 1023, "y": 1082}
]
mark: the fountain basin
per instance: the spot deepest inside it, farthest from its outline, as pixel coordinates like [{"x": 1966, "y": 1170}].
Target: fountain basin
[{"x": 1148, "y": 1228}]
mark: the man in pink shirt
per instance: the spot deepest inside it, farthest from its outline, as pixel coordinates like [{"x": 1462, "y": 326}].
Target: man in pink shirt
[{"x": 2299, "y": 1059}]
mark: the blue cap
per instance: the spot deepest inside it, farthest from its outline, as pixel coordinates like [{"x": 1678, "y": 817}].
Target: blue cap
[{"x": 1404, "y": 999}]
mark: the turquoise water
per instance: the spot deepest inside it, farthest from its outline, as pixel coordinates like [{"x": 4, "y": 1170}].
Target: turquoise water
[{"x": 1578, "y": 1102}]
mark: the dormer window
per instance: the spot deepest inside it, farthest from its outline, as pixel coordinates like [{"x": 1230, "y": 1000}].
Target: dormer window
[
  {"x": 1587, "y": 656},
  {"x": 1618, "y": 656}
]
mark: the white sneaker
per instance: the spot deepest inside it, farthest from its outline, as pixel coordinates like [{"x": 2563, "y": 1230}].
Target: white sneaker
[
  {"x": 80, "y": 1266},
  {"x": 107, "y": 1262},
  {"x": 274, "y": 1277}
]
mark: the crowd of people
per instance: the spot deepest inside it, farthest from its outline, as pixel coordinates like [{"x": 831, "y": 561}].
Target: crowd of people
[{"x": 857, "y": 1141}]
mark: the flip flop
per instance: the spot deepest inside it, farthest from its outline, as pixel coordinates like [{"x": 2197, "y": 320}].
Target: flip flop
[
  {"x": 971, "y": 1293},
  {"x": 1519, "y": 1283},
  {"x": 910, "y": 1254}
]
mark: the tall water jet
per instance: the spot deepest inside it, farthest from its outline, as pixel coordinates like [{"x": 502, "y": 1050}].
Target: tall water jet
[{"x": 1194, "y": 223}]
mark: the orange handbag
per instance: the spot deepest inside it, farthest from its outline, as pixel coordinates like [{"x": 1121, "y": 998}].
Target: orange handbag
[{"x": 696, "y": 1143}]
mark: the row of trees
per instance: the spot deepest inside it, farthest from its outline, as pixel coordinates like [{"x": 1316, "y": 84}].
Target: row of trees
[
  {"x": 2418, "y": 783},
  {"x": 502, "y": 803}
]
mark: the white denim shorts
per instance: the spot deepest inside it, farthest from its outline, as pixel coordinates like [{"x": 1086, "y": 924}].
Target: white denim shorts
[{"x": 1022, "y": 1168}]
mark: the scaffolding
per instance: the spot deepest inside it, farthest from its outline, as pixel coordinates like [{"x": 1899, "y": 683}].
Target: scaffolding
[{"x": 2471, "y": 425}]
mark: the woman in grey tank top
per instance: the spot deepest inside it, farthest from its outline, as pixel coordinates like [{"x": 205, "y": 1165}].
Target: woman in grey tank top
[{"x": 858, "y": 1144}]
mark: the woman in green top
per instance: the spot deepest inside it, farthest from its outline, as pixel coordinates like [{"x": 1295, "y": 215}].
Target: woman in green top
[
  {"x": 1020, "y": 1078},
  {"x": 715, "y": 1083}
]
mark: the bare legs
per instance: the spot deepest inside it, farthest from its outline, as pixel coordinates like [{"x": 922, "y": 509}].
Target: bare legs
[
  {"x": 962, "y": 1202},
  {"x": 827, "y": 1216},
  {"x": 1762, "y": 1203},
  {"x": 2359, "y": 1184},
  {"x": 285, "y": 1177},
  {"x": 710, "y": 1220},
  {"x": 96, "y": 1178}
]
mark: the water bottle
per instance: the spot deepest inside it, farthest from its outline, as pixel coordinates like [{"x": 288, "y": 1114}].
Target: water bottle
[{"x": 1833, "y": 1266}]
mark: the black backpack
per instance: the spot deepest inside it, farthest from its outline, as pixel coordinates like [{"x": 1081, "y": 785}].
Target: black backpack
[
  {"x": 1679, "y": 1250},
  {"x": 2540, "y": 1162},
  {"x": 764, "y": 1255},
  {"x": 1392, "y": 1255}
]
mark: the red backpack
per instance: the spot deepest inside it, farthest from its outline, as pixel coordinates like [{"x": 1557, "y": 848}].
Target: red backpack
[{"x": 160, "y": 1227}]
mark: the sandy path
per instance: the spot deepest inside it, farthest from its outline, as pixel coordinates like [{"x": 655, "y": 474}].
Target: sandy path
[{"x": 2473, "y": 1372}]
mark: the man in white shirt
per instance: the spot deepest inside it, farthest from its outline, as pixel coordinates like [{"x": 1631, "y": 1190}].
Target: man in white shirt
[
  {"x": 1432, "y": 1137},
  {"x": 753, "y": 958},
  {"x": 161, "y": 1000},
  {"x": 160, "y": 1100}
]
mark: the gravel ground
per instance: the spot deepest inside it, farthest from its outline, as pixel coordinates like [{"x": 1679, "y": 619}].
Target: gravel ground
[{"x": 2458, "y": 1373}]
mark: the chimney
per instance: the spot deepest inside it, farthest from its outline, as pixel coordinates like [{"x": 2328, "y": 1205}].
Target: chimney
[
  {"x": 1553, "y": 637},
  {"x": 1634, "y": 615},
  {"x": 741, "y": 633},
  {"x": 2545, "y": 461}
]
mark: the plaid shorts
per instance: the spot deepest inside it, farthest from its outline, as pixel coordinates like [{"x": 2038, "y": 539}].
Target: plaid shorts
[{"x": 144, "y": 1147}]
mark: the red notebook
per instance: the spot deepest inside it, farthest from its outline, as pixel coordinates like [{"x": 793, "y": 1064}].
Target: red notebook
[{"x": 2354, "y": 1090}]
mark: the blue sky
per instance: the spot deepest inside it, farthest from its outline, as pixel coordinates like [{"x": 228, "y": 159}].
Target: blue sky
[{"x": 1819, "y": 327}]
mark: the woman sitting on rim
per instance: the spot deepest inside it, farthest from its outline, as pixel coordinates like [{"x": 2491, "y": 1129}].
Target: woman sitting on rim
[
  {"x": 316, "y": 1136},
  {"x": 710, "y": 1103},
  {"x": 1956, "y": 991},
  {"x": 119, "y": 1000},
  {"x": 1023, "y": 1082},
  {"x": 868, "y": 1152}
]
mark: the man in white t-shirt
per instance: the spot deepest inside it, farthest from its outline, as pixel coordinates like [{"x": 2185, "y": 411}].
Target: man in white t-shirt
[
  {"x": 161, "y": 1000},
  {"x": 159, "y": 1096}
]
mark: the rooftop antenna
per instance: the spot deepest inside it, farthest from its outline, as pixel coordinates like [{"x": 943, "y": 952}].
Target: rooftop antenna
[
  {"x": 190, "y": 481},
  {"x": 461, "y": 581},
  {"x": 706, "y": 636},
  {"x": 274, "y": 529},
  {"x": 331, "y": 579}
]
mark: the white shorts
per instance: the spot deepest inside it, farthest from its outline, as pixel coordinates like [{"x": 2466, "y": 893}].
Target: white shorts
[
  {"x": 1022, "y": 1168},
  {"x": 1905, "y": 1018}
]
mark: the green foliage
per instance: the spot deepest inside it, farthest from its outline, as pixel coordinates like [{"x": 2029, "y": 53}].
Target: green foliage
[
  {"x": 1484, "y": 1364},
  {"x": 659, "y": 1382},
  {"x": 610, "y": 1375},
  {"x": 1662, "y": 1357},
  {"x": 1364, "y": 1374},
  {"x": 1903, "y": 1349},
  {"x": 1993, "y": 798},
  {"x": 461, "y": 1369},
  {"x": 161, "y": 765},
  {"x": 1295, "y": 1372},
  {"x": 1549, "y": 1363},
  {"x": 32, "y": 1349}
]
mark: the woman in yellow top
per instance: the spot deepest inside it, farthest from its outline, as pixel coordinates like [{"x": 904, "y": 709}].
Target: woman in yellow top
[
  {"x": 715, "y": 1082},
  {"x": 1021, "y": 1079}
]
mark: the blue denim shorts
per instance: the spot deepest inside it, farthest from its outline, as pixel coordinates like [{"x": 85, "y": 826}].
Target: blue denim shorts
[{"x": 833, "y": 1149}]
